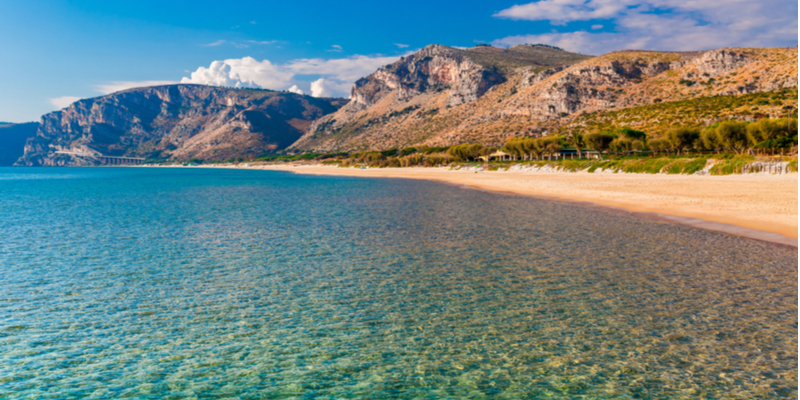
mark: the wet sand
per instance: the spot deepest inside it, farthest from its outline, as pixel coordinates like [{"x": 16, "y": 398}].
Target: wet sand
[{"x": 754, "y": 205}]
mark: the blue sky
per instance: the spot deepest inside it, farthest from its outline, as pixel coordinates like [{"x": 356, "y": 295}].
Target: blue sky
[{"x": 57, "y": 51}]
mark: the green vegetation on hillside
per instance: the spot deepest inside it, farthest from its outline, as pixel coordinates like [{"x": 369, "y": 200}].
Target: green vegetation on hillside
[{"x": 699, "y": 112}]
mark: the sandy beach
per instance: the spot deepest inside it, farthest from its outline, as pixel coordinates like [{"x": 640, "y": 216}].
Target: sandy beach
[{"x": 754, "y": 205}]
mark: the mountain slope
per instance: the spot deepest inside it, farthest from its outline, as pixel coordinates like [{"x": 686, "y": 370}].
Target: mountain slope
[
  {"x": 419, "y": 87},
  {"x": 403, "y": 110},
  {"x": 175, "y": 122},
  {"x": 12, "y": 140}
]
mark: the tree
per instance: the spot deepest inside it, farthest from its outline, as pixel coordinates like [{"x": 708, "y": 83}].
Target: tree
[
  {"x": 599, "y": 141},
  {"x": 733, "y": 135},
  {"x": 575, "y": 140},
  {"x": 534, "y": 147},
  {"x": 552, "y": 147},
  {"x": 466, "y": 152},
  {"x": 620, "y": 145},
  {"x": 633, "y": 134},
  {"x": 660, "y": 145},
  {"x": 515, "y": 147},
  {"x": 683, "y": 137},
  {"x": 765, "y": 129},
  {"x": 638, "y": 145},
  {"x": 710, "y": 140}
]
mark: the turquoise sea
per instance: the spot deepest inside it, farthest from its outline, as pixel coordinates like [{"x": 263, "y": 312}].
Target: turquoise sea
[{"x": 198, "y": 283}]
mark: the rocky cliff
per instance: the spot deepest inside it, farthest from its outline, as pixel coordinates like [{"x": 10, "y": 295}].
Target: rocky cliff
[
  {"x": 434, "y": 68},
  {"x": 443, "y": 96},
  {"x": 175, "y": 122}
]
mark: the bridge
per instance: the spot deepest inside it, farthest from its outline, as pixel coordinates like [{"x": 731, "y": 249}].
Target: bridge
[{"x": 106, "y": 160}]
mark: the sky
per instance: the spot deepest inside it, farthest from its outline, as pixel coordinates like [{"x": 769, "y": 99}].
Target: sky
[{"x": 56, "y": 52}]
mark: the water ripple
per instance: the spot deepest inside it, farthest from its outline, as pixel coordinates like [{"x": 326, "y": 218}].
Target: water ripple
[{"x": 147, "y": 283}]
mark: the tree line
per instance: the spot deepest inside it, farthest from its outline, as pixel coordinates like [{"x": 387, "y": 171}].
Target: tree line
[{"x": 732, "y": 135}]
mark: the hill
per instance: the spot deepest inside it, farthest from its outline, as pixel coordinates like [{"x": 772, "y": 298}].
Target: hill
[
  {"x": 176, "y": 122},
  {"x": 442, "y": 96},
  {"x": 12, "y": 140}
]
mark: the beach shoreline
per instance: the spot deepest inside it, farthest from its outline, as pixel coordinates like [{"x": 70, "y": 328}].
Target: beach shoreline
[{"x": 751, "y": 205}]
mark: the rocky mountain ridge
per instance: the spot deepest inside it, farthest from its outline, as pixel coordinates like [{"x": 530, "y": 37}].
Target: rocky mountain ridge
[
  {"x": 175, "y": 122},
  {"x": 532, "y": 101}
]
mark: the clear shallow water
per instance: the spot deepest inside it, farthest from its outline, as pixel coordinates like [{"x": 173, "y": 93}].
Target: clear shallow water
[{"x": 181, "y": 283}]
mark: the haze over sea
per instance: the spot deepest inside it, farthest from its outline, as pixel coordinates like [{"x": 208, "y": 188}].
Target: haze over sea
[{"x": 173, "y": 283}]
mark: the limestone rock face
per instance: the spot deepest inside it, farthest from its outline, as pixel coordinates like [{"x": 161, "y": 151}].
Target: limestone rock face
[
  {"x": 433, "y": 68},
  {"x": 718, "y": 62},
  {"x": 175, "y": 122},
  {"x": 588, "y": 86}
]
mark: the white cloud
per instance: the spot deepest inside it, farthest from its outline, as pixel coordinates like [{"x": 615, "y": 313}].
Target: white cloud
[
  {"x": 579, "y": 42},
  {"x": 234, "y": 44},
  {"x": 295, "y": 89},
  {"x": 333, "y": 77},
  {"x": 117, "y": 86},
  {"x": 597, "y": 26},
  {"x": 560, "y": 11},
  {"x": 341, "y": 69},
  {"x": 336, "y": 46},
  {"x": 322, "y": 88},
  {"x": 661, "y": 24},
  {"x": 241, "y": 72},
  {"x": 263, "y": 42},
  {"x": 400, "y": 45},
  {"x": 63, "y": 101}
]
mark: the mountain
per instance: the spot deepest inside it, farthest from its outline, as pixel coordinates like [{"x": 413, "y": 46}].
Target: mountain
[
  {"x": 436, "y": 97},
  {"x": 12, "y": 140},
  {"x": 444, "y": 96},
  {"x": 176, "y": 122}
]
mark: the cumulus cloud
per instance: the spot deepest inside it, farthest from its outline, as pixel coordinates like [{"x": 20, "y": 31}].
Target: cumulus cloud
[
  {"x": 241, "y": 72},
  {"x": 660, "y": 24},
  {"x": 330, "y": 77},
  {"x": 328, "y": 88},
  {"x": 295, "y": 89},
  {"x": 321, "y": 88},
  {"x": 63, "y": 101},
  {"x": 597, "y": 26},
  {"x": 117, "y": 86}
]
